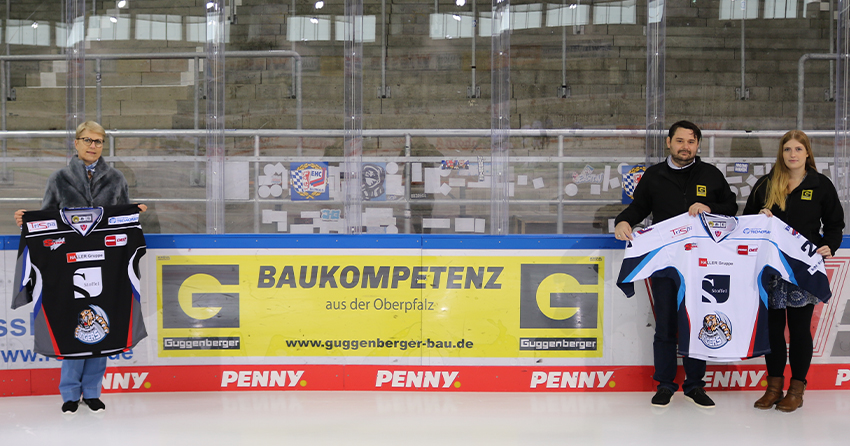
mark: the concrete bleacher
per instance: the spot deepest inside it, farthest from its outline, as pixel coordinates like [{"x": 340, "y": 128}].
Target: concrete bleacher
[{"x": 429, "y": 79}]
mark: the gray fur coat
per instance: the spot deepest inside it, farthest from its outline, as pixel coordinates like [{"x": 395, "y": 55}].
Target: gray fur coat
[{"x": 70, "y": 187}]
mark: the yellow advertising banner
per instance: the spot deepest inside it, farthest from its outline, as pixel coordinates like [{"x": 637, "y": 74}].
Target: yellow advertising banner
[{"x": 397, "y": 304}]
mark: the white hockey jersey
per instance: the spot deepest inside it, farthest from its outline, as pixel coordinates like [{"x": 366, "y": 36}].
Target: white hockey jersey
[{"x": 721, "y": 266}]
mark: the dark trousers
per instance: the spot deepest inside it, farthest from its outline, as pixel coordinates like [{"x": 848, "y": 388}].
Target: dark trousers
[
  {"x": 666, "y": 339},
  {"x": 799, "y": 349}
]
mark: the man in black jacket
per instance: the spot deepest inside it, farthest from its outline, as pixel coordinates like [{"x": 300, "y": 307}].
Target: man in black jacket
[{"x": 681, "y": 183}]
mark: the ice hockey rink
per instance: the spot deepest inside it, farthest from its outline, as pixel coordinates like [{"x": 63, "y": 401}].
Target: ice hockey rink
[{"x": 418, "y": 418}]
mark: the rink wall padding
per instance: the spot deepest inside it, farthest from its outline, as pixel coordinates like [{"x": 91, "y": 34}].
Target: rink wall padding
[{"x": 395, "y": 312}]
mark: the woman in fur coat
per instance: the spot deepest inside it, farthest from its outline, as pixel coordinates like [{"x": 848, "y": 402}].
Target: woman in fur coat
[{"x": 86, "y": 181}]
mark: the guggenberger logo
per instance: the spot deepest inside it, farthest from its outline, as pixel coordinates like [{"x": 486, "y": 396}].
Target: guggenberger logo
[
  {"x": 558, "y": 297},
  {"x": 551, "y": 296},
  {"x": 199, "y": 309},
  {"x": 203, "y": 309}
]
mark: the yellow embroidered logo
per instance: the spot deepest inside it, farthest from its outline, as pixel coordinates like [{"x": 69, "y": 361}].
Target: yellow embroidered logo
[
  {"x": 807, "y": 194},
  {"x": 701, "y": 190}
]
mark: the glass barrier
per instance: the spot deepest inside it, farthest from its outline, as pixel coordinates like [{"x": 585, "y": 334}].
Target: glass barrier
[{"x": 453, "y": 99}]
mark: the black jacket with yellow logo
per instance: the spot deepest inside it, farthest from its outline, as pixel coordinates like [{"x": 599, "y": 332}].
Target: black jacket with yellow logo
[
  {"x": 812, "y": 205},
  {"x": 666, "y": 192}
]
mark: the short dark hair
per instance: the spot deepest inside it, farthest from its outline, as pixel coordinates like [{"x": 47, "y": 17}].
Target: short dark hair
[{"x": 685, "y": 125}]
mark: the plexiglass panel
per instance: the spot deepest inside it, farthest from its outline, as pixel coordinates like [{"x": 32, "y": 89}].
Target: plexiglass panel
[{"x": 444, "y": 116}]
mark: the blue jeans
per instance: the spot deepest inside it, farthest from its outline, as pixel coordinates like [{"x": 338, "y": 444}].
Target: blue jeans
[
  {"x": 81, "y": 377},
  {"x": 666, "y": 339}
]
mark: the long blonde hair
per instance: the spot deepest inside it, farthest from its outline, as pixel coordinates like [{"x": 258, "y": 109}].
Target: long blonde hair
[{"x": 777, "y": 186}]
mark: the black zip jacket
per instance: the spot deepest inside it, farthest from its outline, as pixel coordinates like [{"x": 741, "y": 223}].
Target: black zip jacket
[
  {"x": 665, "y": 192},
  {"x": 811, "y": 205}
]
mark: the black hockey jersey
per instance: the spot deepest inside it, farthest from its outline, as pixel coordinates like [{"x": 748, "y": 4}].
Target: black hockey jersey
[
  {"x": 721, "y": 266},
  {"x": 81, "y": 266}
]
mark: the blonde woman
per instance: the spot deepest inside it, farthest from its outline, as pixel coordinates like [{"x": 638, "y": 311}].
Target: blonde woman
[{"x": 806, "y": 200}]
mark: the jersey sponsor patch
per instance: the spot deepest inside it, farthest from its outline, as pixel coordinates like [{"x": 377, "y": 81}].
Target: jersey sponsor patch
[
  {"x": 123, "y": 219},
  {"x": 85, "y": 256},
  {"x": 53, "y": 244},
  {"x": 715, "y": 288},
  {"x": 116, "y": 240},
  {"x": 88, "y": 282},
  {"x": 748, "y": 250},
  {"x": 38, "y": 226},
  {"x": 682, "y": 230},
  {"x": 82, "y": 218}
]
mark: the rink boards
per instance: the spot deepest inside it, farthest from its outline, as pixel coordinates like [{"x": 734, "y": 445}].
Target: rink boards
[{"x": 395, "y": 312}]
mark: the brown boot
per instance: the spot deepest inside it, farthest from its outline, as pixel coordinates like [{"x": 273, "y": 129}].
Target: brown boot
[
  {"x": 772, "y": 394},
  {"x": 794, "y": 398}
]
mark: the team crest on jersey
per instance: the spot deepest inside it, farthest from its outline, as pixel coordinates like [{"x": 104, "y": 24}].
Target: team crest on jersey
[
  {"x": 701, "y": 190},
  {"x": 92, "y": 325},
  {"x": 807, "y": 194},
  {"x": 53, "y": 244},
  {"x": 716, "y": 330}
]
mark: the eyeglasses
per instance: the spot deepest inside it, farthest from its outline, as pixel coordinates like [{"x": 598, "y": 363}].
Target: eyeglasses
[{"x": 97, "y": 142}]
